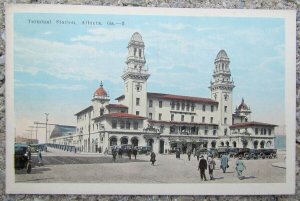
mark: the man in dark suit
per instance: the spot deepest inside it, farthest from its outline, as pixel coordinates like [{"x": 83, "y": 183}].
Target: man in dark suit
[{"x": 202, "y": 167}]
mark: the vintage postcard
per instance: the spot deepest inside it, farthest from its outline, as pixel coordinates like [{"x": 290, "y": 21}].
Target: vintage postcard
[{"x": 112, "y": 100}]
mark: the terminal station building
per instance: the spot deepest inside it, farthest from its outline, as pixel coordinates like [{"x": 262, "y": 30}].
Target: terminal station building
[{"x": 166, "y": 121}]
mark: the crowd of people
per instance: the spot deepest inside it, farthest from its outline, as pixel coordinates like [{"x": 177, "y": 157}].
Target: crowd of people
[{"x": 210, "y": 164}]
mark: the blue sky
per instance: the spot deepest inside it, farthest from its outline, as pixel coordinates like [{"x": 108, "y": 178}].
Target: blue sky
[{"x": 58, "y": 67}]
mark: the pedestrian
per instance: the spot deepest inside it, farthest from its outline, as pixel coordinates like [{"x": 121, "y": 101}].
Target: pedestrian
[
  {"x": 198, "y": 154},
  {"x": 129, "y": 153},
  {"x": 177, "y": 153},
  {"x": 152, "y": 158},
  {"x": 202, "y": 167},
  {"x": 120, "y": 152},
  {"x": 211, "y": 166},
  {"x": 40, "y": 159},
  {"x": 134, "y": 152},
  {"x": 224, "y": 162},
  {"x": 240, "y": 167},
  {"x": 189, "y": 154},
  {"x": 106, "y": 151},
  {"x": 114, "y": 154}
]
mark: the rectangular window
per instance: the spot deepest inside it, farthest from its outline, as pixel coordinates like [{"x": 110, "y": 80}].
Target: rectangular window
[
  {"x": 122, "y": 124},
  {"x": 159, "y": 116},
  {"x": 177, "y": 106},
  {"x": 211, "y": 108},
  {"x": 160, "y": 104},
  {"x": 114, "y": 124},
  {"x": 101, "y": 111},
  {"x": 172, "y": 105},
  {"x": 135, "y": 125},
  {"x": 214, "y": 132},
  {"x": 203, "y": 108},
  {"x": 211, "y": 120},
  {"x": 225, "y": 108},
  {"x": 182, "y": 117},
  {"x": 192, "y": 118},
  {"x": 270, "y": 131},
  {"x": 182, "y": 106},
  {"x": 192, "y": 107},
  {"x": 137, "y": 112},
  {"x": 225, "y": 120},
  {"x": 137, "y": 101},
  {"x": 150, "y": 115},
  {"x": 150, "y": 103},
  {"x": 172, "y": 117},
  {"x": 203, "y": 119},
  {"x": 188, "y": 106},
  {"x": 206, "y": 130},
  {"x": 256, "y": 131},
  {"x": 127, "y": 124}
]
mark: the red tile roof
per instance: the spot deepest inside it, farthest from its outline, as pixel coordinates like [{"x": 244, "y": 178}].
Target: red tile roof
[
  {"x": 178, "y": 97},
  {"x": 250, "y": 124},
  {"x": 124, "y": 115},
  {"x": 116, "y": 106},
  {"x": 181, "y": 122}
]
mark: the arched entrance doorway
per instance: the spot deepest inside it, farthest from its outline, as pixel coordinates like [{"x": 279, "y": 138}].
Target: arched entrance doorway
[
  {"x": 213, "y": 144},
  {"x": 113, "y": 141},
  {"x": 161, "y": 146},
  {"x": 124, "y": 140},
  {"x": 150, "y": 143},
  {"x": 134, "y": 142},
  {"x": 227, "y": 144},
  {"x": 269, "y": 144},
  {"x": 245, "y": 143},
  {"x": 262, "y": 144},
  {"x": 255, "y": 144},
  {"x": 222, "y": 144},
  {"x": 234, "y": 143}
]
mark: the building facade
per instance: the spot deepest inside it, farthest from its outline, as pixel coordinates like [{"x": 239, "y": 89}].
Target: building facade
[{"x": 167, "y": 121}]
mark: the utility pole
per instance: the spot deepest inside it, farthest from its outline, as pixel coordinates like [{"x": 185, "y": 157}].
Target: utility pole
[{"x": 46, "y": 127}]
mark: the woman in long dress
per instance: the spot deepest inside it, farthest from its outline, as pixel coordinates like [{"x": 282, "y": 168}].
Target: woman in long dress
[{"x": 240, "y": 167}]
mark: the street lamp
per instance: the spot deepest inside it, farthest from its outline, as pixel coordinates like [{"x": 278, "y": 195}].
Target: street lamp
[{"x": 46, "y": 125}]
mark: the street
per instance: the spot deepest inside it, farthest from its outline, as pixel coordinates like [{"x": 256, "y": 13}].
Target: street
[{"x": 61, "y": 167}]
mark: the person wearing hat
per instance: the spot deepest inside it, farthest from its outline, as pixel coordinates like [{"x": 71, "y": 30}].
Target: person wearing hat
[
  {"x": 240, "y": 167},
  {"x": 202, "y": 167}
]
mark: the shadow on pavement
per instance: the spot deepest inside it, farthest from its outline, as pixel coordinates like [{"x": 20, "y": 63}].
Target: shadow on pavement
[
  {"x": 42, "y": 179},
  {"x": 250, "y": 177},
  {"x": 64, "y": 160},
  {"x": 216, "y": 178}
]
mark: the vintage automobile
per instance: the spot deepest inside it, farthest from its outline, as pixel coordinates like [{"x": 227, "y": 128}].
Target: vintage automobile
[
  {"x": 243, "y": 152},
  {"x": 212, "y": 152},
  {"x": 268, "y": 153},
  {"x": 232, "y": 151},
  {"x": 22, "y": 159},
  {"x": 222, "y": 151},
  {"x": 143, "y": 149}
]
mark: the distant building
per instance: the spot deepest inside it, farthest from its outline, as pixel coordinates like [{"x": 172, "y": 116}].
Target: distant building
[
  {"x": 22, "y": 140},
  {"x": 166, "y": 121},
  {"x": 63, "y": 134}
]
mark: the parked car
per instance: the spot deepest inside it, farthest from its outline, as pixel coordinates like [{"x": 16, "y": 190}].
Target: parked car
[
  {"x": 268, "y": 153},
  {"x": 212, "y": 152},
  {"x": 22, "y": 159},
  {"x": 232, "y": 151},
  {"x": 221, "y": 151},
  {"x": 243, "y": 152},
  {"x": 143, "y": 149}
]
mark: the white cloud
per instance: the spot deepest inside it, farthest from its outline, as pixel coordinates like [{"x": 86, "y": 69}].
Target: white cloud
[
  {"x": 47, "y": 33},
  {"x": 74, "y": 87},
  {"x": 173, "y": 27},
  {"x": 102, "y": 35},
  {"x": 67, "y": 61}
]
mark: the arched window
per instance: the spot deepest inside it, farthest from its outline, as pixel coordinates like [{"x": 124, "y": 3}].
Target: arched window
[{"x": 113, "y": 141}]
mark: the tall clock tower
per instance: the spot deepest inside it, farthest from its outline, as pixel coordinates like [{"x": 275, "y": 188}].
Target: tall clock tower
[
  {"x": 135, "y": 77},
  {"x": 221, "y": 90}
]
